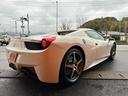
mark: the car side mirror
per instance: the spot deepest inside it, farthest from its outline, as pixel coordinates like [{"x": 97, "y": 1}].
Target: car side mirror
[
  {"x": 106, "y": 37},
  {"x": 111, "y": 39}
]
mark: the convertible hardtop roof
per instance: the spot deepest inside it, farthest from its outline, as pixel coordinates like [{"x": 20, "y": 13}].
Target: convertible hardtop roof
[{"x": 64, "y": 32}]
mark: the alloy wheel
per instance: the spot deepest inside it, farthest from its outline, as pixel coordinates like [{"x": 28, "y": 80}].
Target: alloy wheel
[{"x": 74, "y": 66}]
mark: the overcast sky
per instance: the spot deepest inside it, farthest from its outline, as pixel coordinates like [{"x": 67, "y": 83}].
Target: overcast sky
[{"x": 43, "y": 12}]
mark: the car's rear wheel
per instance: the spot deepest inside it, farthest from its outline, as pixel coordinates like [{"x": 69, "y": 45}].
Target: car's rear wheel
[
  {"x": 113, "y": 52},
  {"x": 72, "y": 66}
]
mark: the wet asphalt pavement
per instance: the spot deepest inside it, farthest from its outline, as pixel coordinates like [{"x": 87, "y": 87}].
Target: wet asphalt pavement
[
  {"x": 120, "y": 63},
  {"x": 27, "y": 87},
  {"x": 84, "y": 87}
]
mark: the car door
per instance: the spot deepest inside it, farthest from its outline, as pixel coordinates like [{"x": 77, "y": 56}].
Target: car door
[{"x": 100, "y": 43}]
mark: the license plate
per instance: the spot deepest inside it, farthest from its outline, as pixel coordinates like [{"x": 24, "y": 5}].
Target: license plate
[{"x": 12, "y": 57}]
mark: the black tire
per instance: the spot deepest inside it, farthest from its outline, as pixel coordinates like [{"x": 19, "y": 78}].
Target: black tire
[
  {"x": 71, "y": 67},
  {"x": 1, "y": 43},
  {"x": 112, "y": 52}
]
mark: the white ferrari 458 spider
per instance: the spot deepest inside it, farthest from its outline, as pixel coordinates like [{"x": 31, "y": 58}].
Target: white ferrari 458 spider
[{"x": 60, "y": 57}]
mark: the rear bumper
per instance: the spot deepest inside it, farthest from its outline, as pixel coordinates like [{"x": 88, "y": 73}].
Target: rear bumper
[
  {"x": 46, "y": 65},
  {"x": 28, "y": 71}
]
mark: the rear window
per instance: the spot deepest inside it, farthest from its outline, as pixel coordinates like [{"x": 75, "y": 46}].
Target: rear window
[{"x": 65, "y": 32}]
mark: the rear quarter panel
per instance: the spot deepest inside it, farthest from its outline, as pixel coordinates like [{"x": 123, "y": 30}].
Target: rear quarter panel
[{"x": 66, "y": 42}]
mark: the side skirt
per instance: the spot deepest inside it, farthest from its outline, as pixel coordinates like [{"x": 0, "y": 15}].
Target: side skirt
[{"x": 96, "y": 62}]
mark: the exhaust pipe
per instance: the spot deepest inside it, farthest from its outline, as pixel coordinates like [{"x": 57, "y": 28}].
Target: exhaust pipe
[{"x": 13, "y": 66}]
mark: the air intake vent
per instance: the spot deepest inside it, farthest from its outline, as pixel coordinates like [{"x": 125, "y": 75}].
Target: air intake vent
[{"x": 33, "y": 46}]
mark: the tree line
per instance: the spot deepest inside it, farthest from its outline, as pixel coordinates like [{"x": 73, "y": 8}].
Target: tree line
[{"x": 107, "y": 24}]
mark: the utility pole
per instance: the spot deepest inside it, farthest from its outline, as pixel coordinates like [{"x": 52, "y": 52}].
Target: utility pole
[
  {"x": 22, "y": 26},
  {"x": 125, "y": 29},
  {"x": 120, "y": 25},
  {"x": 22, "y": 22},
  {"x": 28, "y": 24},
  {"x": 56, "y": 16},
  {"x": 16, "y": 27}
]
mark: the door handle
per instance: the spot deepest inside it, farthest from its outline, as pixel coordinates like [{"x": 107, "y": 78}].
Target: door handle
[{"x": 96, "y": 43}]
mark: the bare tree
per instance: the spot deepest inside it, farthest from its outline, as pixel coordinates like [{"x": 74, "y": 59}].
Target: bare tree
[
  {"x": 65, "y": 25},
  {"x": 80, "y": 21}
]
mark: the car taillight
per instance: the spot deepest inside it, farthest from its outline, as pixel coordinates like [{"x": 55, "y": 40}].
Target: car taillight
[{"x": 47, "y": 41}]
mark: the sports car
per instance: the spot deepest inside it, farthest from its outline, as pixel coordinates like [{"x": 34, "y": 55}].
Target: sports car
[{"x": 60, "y": 57}]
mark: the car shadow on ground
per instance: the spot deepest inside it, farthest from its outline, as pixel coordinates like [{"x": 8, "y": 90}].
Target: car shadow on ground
[{"x": 30, "y": 87}]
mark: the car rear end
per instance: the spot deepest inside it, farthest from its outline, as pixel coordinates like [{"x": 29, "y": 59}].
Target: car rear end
[{"x": 34, "y": 55}]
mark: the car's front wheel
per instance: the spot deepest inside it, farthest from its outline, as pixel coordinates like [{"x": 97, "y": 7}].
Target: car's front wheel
[
  {"x": 113, "y": 52},
  {"x": 72, "y": 66}
]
